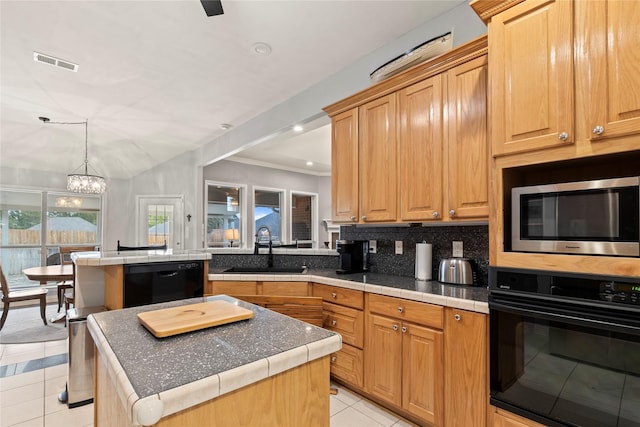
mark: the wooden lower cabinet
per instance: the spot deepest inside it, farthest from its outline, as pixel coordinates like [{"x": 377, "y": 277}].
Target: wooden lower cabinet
[
  {"x": 348, "y": 365},
  {"x": 247, "y": 287},
  {"x": 403, "y": 366},
  {"x": 466, "y": 389}
]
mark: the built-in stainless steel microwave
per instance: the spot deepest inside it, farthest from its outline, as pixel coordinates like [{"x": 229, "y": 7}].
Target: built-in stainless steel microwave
[{"x": 600, "y": 217}]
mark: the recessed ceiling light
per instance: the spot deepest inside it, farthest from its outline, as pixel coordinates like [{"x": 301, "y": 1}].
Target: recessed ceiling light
[
  {"x": 225, "y": 126},
  {"x": 309, "y": 163},
  {"x": 261, "y": 48},
  {"x": 298, "y": 128}
]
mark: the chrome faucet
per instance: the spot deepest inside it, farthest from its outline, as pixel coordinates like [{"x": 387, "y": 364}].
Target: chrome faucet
[{"x": 258, "y": 245}]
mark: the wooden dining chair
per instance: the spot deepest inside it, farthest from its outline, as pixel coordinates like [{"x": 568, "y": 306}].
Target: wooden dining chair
[
  {"x": 22, "y": 295},
  {"x": 65, "y": 289}
]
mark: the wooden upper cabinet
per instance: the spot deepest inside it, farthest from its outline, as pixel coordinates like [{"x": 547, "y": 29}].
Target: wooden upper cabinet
[
  {"x": 420, "y": 150},
  {"x": 612, "y": 66},
  {"x": 467, "y": 147},
  {"x": 532, "y": 95},
  {"x": 344, "y": 166},
  {"x": 377, "y": 150}
]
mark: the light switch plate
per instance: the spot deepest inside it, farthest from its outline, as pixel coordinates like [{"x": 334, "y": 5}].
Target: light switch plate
[
  {"x": 457, "y": 250},
  {"x": 373, "y": 246},
  {"x": 398, "y": 247}
]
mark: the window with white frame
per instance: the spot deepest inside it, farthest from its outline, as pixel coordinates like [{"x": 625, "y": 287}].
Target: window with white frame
[
  {"x": 303, "y": 216},
  {"x": 268, "y": 215},
  {"x": 224, "y": 219}
]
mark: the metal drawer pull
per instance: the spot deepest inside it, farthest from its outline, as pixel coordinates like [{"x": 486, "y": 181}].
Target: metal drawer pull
[
  {"x": 333, "y": 359},
  {"x": 404, "y": 329},
  {"x": 395, "y": 327},
  {"x": 563, "y": 136},
  {"x": 598, "y": 130},
  {"x": 400, "y": 309},
  {"x": 333, "y": 323},
  {"x": 457, "y": 317},
  {"x": 334, "y": 295}
]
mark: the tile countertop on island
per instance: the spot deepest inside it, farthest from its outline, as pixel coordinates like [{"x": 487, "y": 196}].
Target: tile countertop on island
[
  {"x": 97, "y": 258},
  {"x": 464, "y": 297},
  {"x": 164, "y": 376}
]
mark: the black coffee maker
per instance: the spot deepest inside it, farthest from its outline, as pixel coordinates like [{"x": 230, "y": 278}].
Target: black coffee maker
[{"x": 354, "y": 256}]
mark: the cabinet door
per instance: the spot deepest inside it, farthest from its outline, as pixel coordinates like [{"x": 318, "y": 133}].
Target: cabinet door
[
  {"x": 297, "y": 289},
  {"x": 234, "y": 288},
  {"x": 420, "y": 150},
  {"x": 344, "y": 166},
  {"x": 531, "y": 56},
  {"x": 614, "y": 64},
  {"x": 383, "y": 359},
  {"x": 467, "y": 148},
  {"x": 347, "y": 365},
  {"x": 465, "y": 368},
  {"x": 422, "y": 387},
  {"x": 377, "y": 151}
]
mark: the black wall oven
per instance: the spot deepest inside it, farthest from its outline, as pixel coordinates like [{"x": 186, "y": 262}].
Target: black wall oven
[{"x": 565, "y": 348}]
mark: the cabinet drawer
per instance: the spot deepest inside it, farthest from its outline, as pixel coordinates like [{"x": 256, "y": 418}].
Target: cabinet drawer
[
  {"x": 348, "y": 322},
  {"x": 347, "y": 365},
  {"x": 349, "y": 297},
  {"x": 234, "y": 288},
  {"x": 297, "y": 289},
  {"x": 398, "y": 308}
]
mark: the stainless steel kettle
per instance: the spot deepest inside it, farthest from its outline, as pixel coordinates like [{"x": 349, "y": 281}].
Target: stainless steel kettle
[{"x": 456, "y": 271}]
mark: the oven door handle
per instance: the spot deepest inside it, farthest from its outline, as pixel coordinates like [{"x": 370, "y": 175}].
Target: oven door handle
[{"x": 567, "y": 315}]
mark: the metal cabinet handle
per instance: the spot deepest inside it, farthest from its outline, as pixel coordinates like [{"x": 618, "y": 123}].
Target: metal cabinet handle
[
  {"x": 563, "y": 136},
  {"x": 400, "y": 309},
  {"x": 395, "y": 327},
  {"x": 364, "y": 217},
  {"x": 404, "y": 329},
  {"x": 457, "y": 317},
  {"x": 334, "y": 322},
  {"x": 333, "y": 359},
  {"x": 353, "y": 218},
  {"x": 435, "y": 214},
  {"x": 598, "y": 130},
  {"x": 334, "y": 295},
  {"x": 452, "y": 212}
]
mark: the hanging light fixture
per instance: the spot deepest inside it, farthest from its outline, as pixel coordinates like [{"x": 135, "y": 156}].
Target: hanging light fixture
[{"x": 82, "y": 182}]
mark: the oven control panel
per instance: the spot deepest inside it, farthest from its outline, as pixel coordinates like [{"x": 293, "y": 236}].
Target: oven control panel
[{"x": 625, "y": 293}]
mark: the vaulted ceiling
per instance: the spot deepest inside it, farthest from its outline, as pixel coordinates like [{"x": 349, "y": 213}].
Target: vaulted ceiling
[{"x": 158, "y": 78}]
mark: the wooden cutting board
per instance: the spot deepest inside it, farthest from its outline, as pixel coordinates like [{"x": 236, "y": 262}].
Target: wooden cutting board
[{"x": 186, "y": 318}]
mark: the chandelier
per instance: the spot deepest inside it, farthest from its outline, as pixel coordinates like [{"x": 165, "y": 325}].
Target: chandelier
[{"x": 82, "y": 182}]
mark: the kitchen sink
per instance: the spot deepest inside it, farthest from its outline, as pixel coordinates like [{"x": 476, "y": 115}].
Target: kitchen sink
[{"x": 262, "y": 270}]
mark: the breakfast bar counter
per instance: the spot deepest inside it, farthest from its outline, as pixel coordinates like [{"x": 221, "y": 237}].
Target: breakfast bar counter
[{"x": 269, "y": 370}]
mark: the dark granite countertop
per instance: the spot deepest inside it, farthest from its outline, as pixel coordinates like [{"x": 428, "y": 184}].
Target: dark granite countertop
[
  {"x": 152, "y": 367},
  {"x": 466, "y": 297}
]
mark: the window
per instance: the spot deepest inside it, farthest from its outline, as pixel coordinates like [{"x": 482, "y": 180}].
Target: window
[
  {"x": 267, "y": 214},
  {"x": 72, "y": 220},
  {"x": 224, "y": 209},
  {"x": 303, "y": 217},
  {"x": 68, "y": 219}
]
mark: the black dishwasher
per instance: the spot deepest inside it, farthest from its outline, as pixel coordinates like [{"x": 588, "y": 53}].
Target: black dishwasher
[{"x": 155, "y": 282}]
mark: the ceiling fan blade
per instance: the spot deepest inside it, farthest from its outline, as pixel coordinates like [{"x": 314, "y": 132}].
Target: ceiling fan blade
[{"x": 212, "y": 7}]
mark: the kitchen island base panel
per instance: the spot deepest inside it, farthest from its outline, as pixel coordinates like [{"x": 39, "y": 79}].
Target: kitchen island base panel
[{"x": 296, "y": 397}]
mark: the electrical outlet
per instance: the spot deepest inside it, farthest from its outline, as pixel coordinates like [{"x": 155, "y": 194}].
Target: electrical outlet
[
  {"x": 373, "y": 246},
  {"x": 398, "y": 247},
  {"x": 457, "y": 250}
]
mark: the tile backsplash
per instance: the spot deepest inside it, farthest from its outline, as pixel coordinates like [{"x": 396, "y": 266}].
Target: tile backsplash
[{"x": 474, "y": 238}]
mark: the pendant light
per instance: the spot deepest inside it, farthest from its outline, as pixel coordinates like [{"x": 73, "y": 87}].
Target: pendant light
[{"x": 82, "y": 182}]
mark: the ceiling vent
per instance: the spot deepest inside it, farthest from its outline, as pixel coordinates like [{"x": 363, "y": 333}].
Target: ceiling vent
[
  {"x": 427, "y": 50},
  {"x": 46, "y": 59}
]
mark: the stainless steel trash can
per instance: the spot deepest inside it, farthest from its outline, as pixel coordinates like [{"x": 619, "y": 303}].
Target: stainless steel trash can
[{"x": 81, "y": 358}]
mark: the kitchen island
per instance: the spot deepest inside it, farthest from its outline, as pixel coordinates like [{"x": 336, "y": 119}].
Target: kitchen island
[
  {"x": 100, "y": 276},
  {"x": 270, "y": 370}
]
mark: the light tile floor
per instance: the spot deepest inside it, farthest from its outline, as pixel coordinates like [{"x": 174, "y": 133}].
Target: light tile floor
[{"x": 31, "y": 399}]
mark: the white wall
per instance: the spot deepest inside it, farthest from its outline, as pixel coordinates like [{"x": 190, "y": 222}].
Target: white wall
[{"x": 184, "y": 174}]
